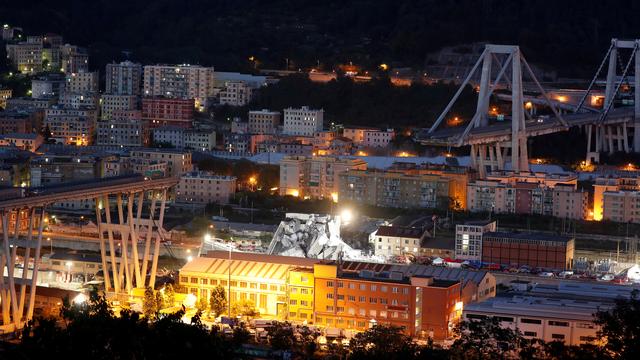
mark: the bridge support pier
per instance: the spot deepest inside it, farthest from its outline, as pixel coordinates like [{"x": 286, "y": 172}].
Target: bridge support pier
[
  {"x": 488, "y": 157},
  {"x": 124, "y": 268},
  {"x": 608, "y": 138},
  {"x": 16, "y": 307}
]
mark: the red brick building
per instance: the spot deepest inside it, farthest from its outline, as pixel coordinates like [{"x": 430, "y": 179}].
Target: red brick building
[
  {"x": 159, "y": 111},
  {"x": 531, "y": 249}
]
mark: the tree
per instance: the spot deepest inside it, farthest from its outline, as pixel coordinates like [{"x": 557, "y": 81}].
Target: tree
[
  {"x": 246, "y": 308},
  {"x": 308, "y": 341},
  {"x": 218, "y": 301},
  {"x": 149, "y": 305},
  {"x": 280, "y": 335},
  {"x": 170, "y": 295},
  {"x": 620, "y": 328},
  {"x": 485, "y": 339},
  {"x": 382, "y": 342},
  {"x": 160, "y": 304},
  {"x": 202, "y": 305}
]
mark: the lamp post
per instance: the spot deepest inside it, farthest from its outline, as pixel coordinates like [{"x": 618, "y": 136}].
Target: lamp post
[{"x": 229, "y": 280}]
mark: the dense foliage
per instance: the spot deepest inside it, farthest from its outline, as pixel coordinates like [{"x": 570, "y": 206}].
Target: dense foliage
[
  {"x": 571, "y": 35},
  {"x": 373, "y": 103},
  {"x": 92, "y": 331}
]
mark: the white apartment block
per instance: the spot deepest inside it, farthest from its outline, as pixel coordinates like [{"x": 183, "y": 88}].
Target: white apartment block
[
  {"x": 81, "y": 83},
  {"x": 396, "y": 240},
  {"x": 263, "y": 121},
  {"x": 71, "y": 126},
  {"x": 180, "y": 81},
  {"x": 468, "y": 243},
  {"x": 178, "y": 161},
  {"x": 235, "y": 93},
  {"x": 203, "y": 188},
  {"x": 124, "y": 78},
  {"x": 302, "y": 121},
  {"x": 377, "y": 138},
  {"x": 122, "y": 132},
  {"x": 113, "y": 103},
  {"x": 200, "y": 140}
]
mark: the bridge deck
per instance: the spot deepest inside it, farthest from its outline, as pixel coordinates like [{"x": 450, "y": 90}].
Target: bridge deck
[
  {"x": 500, "y": 132},
  {"x": 49, "y": 195}
]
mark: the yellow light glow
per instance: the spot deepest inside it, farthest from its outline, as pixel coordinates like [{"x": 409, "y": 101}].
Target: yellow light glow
[
  {"x": 528, "y": 105},
  {"x": 562, "y": 98},
  {"x": 294, "y": 192},
  {"x": 361, "y": 153},
  {"x": 384, "y": 67},
  {"x": 346, "y": 216},
  {"x": 459, "y": 306},
  {"x": 334, "y": 197},
  {"x": 80, "y": 299}
]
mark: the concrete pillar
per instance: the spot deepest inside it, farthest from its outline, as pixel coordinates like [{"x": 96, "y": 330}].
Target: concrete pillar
[
  {"x": 485, "y": 82},
  {"x": 519, "y": 159},
  {"x": 611, "y": 75},
  {"x": 636, "y": 105}
]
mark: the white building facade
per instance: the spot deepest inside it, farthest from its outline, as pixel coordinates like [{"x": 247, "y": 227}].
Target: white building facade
[{"x": 302, "y": 121}]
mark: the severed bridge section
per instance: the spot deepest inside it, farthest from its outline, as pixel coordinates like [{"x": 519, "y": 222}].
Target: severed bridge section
[
  {"x": 615, "y": 127},
  {"x": 129, "y": 211}
]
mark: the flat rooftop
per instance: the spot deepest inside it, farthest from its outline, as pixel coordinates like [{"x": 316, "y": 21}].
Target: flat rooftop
[
  {"x": 538, "y": 307},
  {"x": 527, "y": 236}
]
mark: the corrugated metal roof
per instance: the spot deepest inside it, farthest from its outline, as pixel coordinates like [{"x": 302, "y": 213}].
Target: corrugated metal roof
[
  {"x": 441, "y": 273},
  {"x": 239, "y": 268}
]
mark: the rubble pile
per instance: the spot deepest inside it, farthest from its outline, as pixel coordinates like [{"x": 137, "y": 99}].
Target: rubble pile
[{"x": 311, "y": 236}]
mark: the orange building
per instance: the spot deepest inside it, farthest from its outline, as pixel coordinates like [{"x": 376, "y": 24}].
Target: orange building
[{"x": 357, "y": 300}]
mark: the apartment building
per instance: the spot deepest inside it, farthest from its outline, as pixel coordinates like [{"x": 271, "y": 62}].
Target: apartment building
[
  {"x": 620, "y": 195},
  {"x": 505, "y": 195},
  {"x": 235, "y": 93},
  {"x": 74, "y": 59},
  {"x": 302, "y": 121},
  {"x": 122, "y": 132},
  {"x": 24, "y": 141},
  {"x": 459, "y": 177},
  {"x": 180, "y": 82},
  {"x": 621, "y": 206},
  {"x": 47, "y": 86},
  {"x": 263, "y": 121},
  {"x": 71, "y": 126},
  {"x": 26, "y": 56},
  {"x": 397, "y": 240},
  {"x": 377, "y": 138},
  {"x": 161, "y": 111},
  {"x": 393, "y": 189},
  {"x": 178, "y": 161},
  {"x": 14, "y": 122},
  {"x": 81, "y": 83},
  {"x": 124, "y": 78},
  {"x": 531, "y": 249},
  {"x": 110, "y": 103},
  {"x": 202, "y": 188},
  {"x": 201, "y": 140},
  {"x": 5, "y": 94},
  {"x": 469, "y": 239},
  {"x": 315, "y": 176}
]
